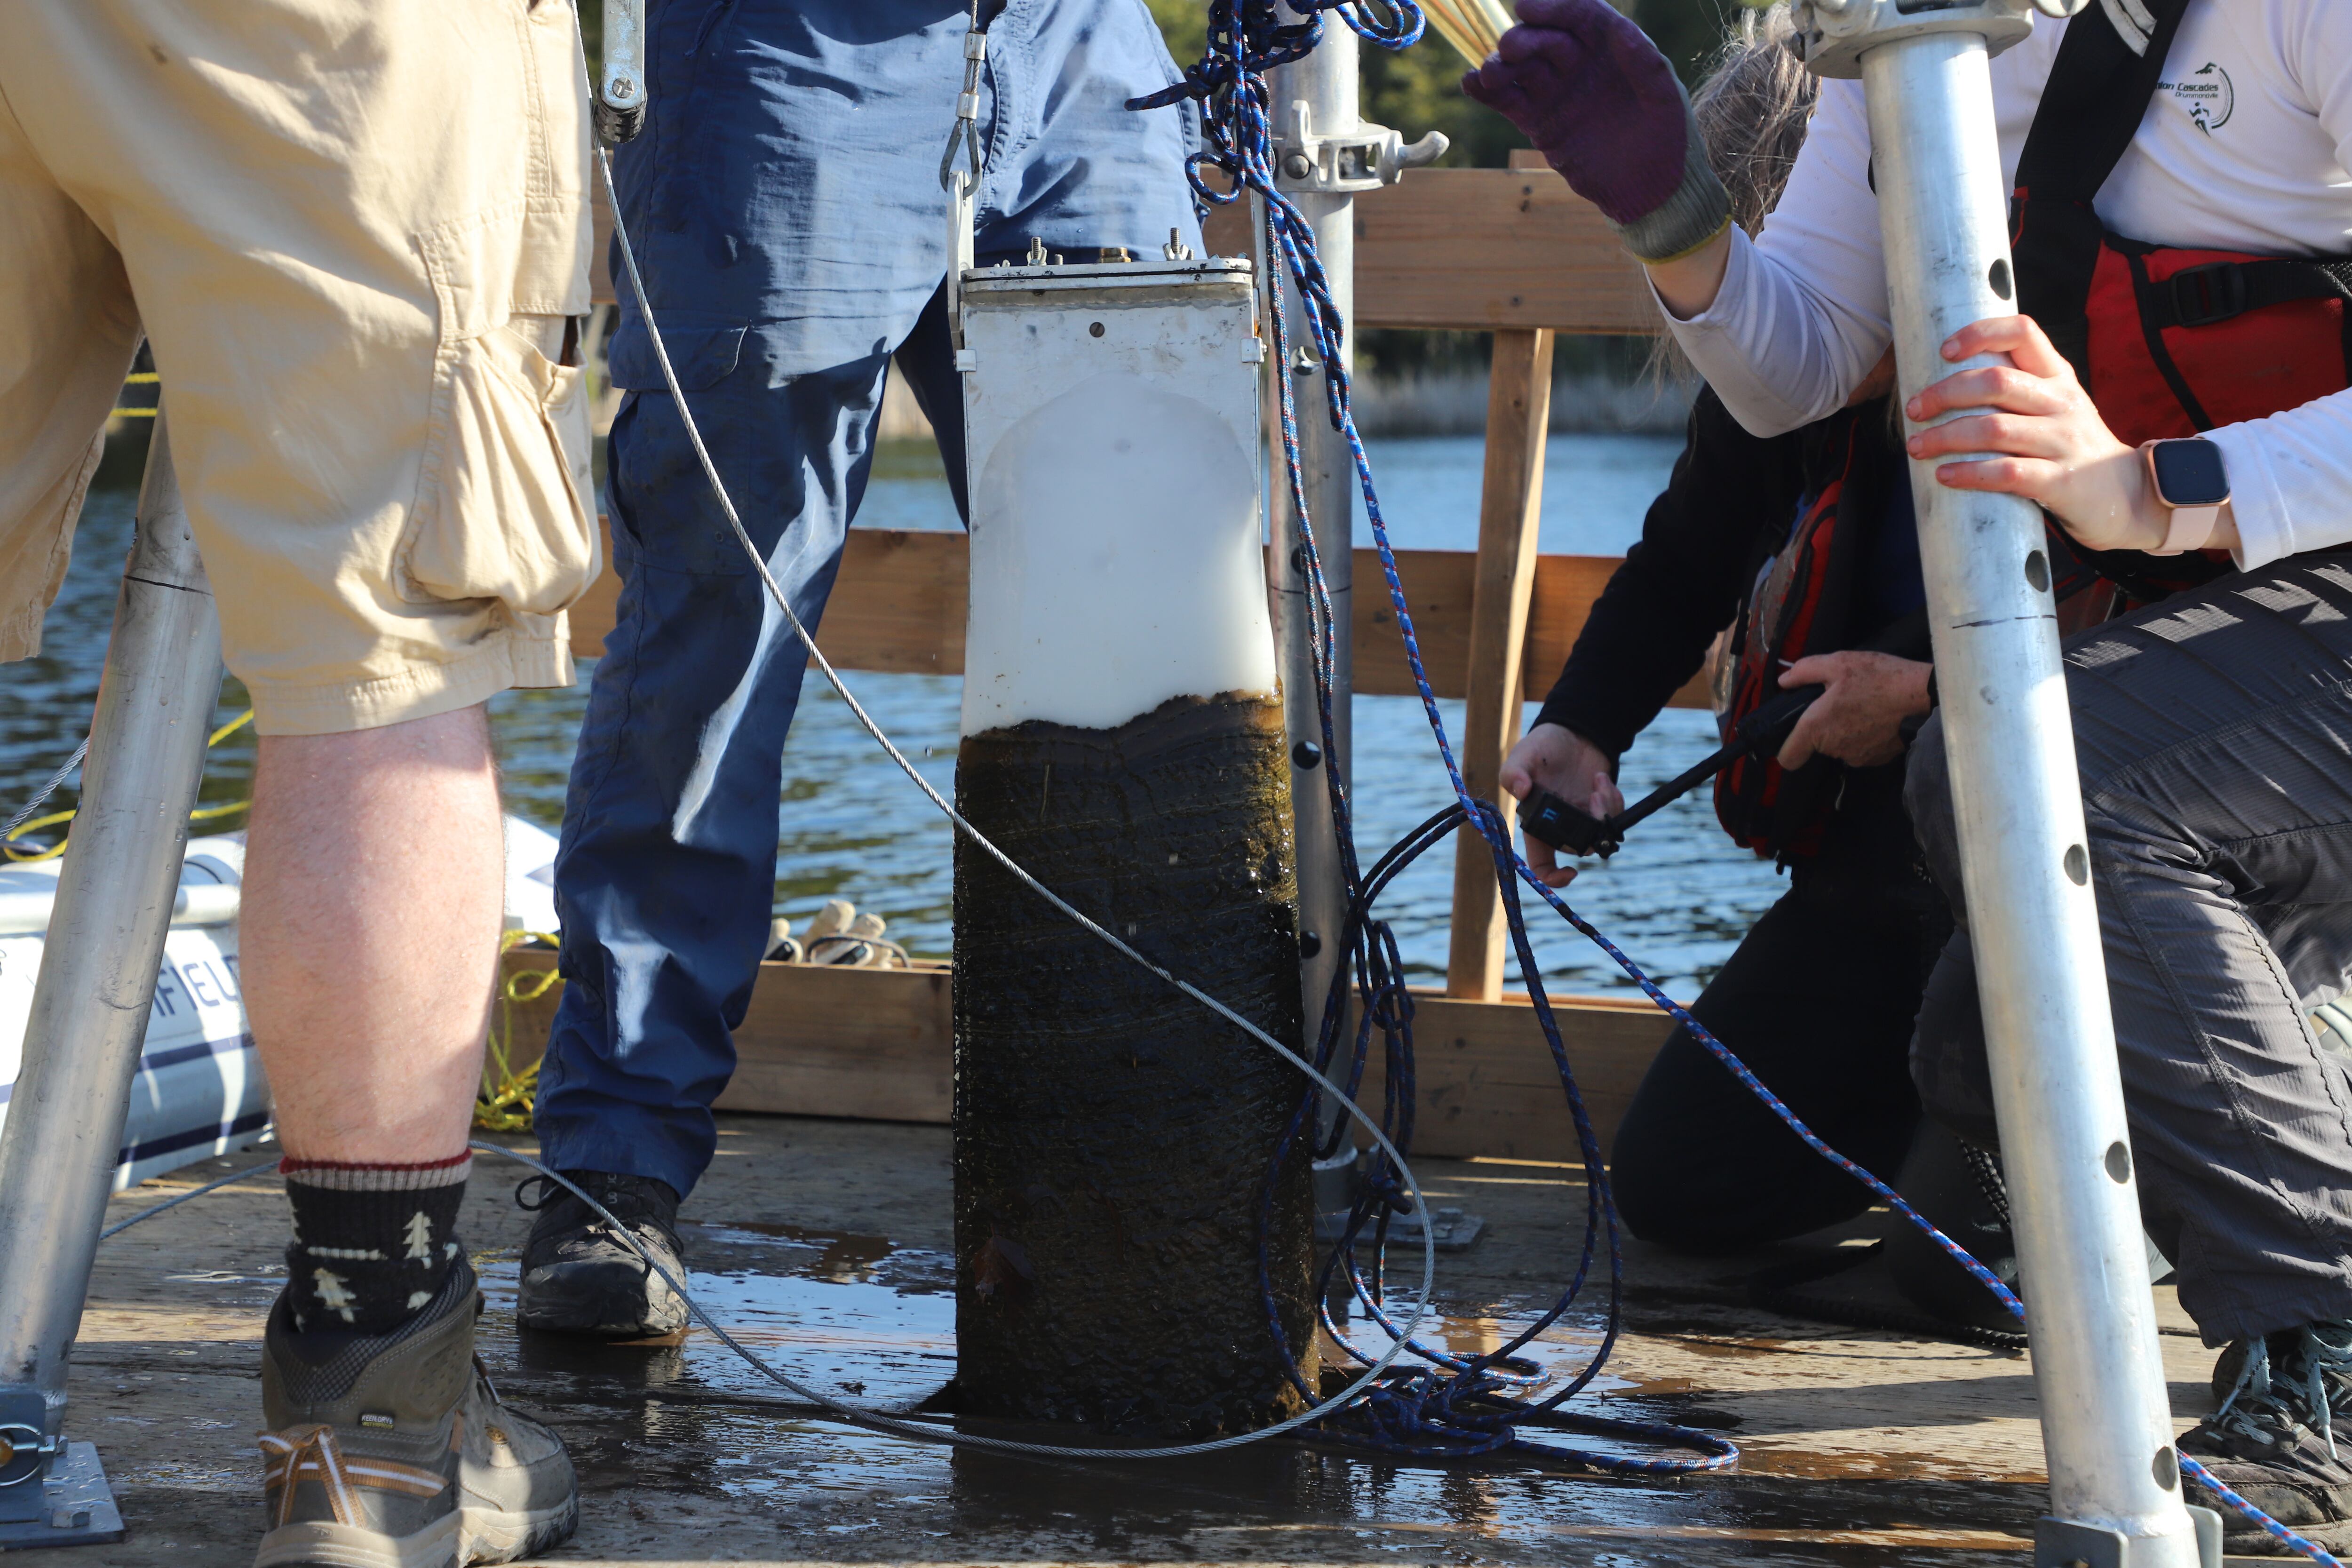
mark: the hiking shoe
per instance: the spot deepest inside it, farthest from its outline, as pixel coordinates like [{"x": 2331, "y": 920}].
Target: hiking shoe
[
  {"x": 579, "y": 1276},
  {"x": 2330, "y": 1354},
  {"x": 393, "y": 1450},
  {"x": 2273, "y": 1442}
]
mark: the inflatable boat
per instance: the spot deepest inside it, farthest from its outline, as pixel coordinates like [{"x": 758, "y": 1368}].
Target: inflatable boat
[{"x": 200, "y": 1089}]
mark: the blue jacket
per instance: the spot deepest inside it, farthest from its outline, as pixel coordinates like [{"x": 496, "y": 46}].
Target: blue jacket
[{"x": 784, "y": 196}]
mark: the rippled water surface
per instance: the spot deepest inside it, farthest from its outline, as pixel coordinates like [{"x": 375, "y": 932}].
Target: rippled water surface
[{"x": 1678, "y": 898}]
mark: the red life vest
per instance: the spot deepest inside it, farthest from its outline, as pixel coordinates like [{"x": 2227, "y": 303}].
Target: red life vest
[{"x": 1806, "y": 598}]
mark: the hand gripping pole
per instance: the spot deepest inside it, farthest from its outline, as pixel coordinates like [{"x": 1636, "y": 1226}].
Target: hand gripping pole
[
  {"x": 64, "y": 1133},
  {"x": 2114, "y": 1479}
]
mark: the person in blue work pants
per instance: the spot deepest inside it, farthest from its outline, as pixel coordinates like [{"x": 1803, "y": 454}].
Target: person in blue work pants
[{"x": 786, "y": 205}]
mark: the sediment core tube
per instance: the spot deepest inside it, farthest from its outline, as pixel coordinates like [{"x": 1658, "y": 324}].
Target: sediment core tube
[
  {"x": 1112, "y": 1140},
  {"x": 1123, "y": 739}
]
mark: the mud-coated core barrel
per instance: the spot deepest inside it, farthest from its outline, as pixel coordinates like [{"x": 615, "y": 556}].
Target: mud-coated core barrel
[
  {"x": 1128, "y": 1255},
  {"x": 1113, "y": 1139}
]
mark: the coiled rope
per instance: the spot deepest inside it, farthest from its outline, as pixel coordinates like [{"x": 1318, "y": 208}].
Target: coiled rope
[
  {"x": 1424, "y": 1414},
  {"x": 1247, "y": 38}
]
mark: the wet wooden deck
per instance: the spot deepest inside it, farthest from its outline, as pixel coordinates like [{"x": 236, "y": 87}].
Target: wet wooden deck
[{"x": 827, "y": 1240}]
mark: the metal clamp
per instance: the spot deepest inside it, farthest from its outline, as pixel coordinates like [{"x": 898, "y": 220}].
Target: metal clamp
[
  {"x": 1833, "y": 34},
  {"x": 1365, "y": 159},
  {"x": 25, "y": 1452},
  {"x": 619, "y": 111}
]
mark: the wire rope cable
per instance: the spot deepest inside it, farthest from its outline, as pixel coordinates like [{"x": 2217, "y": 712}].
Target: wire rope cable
[
  {"x": 259, "y": 1168},
  {"x": 1243, "y": 92},
  {"x": 782, "y": 602}
]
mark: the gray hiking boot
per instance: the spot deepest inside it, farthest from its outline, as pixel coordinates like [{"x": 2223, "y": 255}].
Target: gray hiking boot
[
  {"x": 579, "y": 1276},
  {"x": 2273, "y": 1443},
  {"x": 394, "y": 1451}
]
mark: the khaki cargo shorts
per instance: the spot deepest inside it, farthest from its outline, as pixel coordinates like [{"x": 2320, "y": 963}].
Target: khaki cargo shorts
[{"x": 354, "y": 232}]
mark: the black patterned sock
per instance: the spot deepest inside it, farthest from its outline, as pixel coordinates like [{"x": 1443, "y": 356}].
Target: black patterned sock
[{"x": 372, "y": 1243}]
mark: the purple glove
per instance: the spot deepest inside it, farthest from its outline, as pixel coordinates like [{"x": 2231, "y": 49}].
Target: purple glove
[{"x": 1602, "y": 105}]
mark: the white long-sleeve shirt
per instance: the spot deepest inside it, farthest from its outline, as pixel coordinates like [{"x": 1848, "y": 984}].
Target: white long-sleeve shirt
[{"x": 2245, "y": 148}]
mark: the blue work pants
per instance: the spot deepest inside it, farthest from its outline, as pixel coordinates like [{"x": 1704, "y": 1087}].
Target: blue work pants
[{"x": 785, "y": 205}]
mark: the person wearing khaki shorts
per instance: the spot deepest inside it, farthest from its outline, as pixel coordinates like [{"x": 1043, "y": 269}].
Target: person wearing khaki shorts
[{"x": 354, "y": 234}]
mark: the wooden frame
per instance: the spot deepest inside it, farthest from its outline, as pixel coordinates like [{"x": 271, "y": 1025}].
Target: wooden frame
[
  {"x": 879, "y": 1043},
  {"x": 1513, "y": 252}
]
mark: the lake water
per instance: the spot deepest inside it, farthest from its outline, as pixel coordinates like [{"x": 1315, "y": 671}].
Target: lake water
[{"x": 1678, "y": 898}]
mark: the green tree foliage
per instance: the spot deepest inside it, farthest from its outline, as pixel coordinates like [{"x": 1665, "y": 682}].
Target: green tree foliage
[{"x": 1419, "y": 88}]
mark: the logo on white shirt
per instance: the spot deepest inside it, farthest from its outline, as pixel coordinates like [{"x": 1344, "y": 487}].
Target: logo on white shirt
[{"x": 2205, "y": 94}]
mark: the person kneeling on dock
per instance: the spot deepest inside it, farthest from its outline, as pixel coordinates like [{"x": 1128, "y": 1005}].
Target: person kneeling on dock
[
  {"x": 355, "y": 236},
  {"x": 2210, "y": 728},
  {"x": 799, "y": 248},
  {"x": 1804, "y": 546}
]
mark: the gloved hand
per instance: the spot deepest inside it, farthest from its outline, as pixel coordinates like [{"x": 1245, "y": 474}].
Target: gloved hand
[{"x": 1602, "y": 106}]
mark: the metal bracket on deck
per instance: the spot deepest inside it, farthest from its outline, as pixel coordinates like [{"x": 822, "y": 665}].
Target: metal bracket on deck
[
  {"x": 2062, "y": 1543},
  {"x": 52, "y": 1492},
  {"x": 75, "y": 1506}
]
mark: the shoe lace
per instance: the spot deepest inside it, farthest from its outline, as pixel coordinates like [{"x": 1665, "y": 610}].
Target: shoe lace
[
  {"x": 2252, "y": 1398},
  {"x": 2266, "y": 1393},
  {"x": 2322, "y": 1354},
  {"x": 622, "y": 1196}
]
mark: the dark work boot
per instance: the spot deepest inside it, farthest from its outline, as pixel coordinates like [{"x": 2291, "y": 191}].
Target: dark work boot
[
  {"x": 1960, "y": 1188},
  {"x": 394, "y": 1451},
  {"x": 579, "y": 1277},
  {"x": 2273, "y": 1443}
]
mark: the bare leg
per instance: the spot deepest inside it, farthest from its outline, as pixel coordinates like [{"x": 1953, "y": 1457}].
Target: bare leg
[{"x": 372, "y": 901}]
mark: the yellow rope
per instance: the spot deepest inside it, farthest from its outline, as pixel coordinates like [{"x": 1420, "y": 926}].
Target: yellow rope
[
  {"x": 29, "y": 858},
  {"x": 201, "y": 814},
  {"x": 508, "y": 1097},
  {"x": 137, "y": 378}
]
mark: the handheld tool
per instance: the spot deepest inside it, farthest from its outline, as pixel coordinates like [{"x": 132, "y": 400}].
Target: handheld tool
[{"x": 1546, "y": 817}]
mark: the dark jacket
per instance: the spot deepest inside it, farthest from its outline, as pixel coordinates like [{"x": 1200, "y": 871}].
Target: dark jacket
[{"x": 1723, "y": 515}]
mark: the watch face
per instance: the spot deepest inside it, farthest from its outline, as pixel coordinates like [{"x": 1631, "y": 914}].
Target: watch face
[{"x": 2189, "y": 473}]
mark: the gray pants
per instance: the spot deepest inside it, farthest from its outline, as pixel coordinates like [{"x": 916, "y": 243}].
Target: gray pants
[{"x": 2213, "y": 734}]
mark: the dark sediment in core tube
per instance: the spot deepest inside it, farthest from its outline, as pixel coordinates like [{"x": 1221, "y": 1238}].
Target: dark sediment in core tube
[{"x": 1113, "y": 1136}]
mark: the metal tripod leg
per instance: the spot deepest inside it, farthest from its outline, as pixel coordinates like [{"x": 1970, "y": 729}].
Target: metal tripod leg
[
  {"x": 64, "y": 1133},
  {"x": 2107, "y": 1429}
]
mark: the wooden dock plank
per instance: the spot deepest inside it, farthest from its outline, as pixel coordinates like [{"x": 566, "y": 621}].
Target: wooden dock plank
[
  {"x": 1459, "y": 249},
  {"x": 1481, "y": 250}
]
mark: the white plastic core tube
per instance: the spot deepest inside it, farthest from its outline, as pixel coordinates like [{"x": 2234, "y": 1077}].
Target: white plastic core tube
[{"x": 1117, "y": 556}]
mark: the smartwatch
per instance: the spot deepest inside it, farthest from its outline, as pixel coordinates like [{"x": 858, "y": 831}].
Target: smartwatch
[{"x": 2188, "y": 478}]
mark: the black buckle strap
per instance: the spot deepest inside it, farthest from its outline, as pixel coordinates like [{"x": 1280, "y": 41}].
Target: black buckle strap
[
  {"x": 2219, "y": 291},
  {"x": 2208, "y": 295}
]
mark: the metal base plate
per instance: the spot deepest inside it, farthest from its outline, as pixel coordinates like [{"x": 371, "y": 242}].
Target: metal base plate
[
  {"x": 1452, "y": 1229},
  {"x": 77, "y": 1506},
  {"x": 2061, "y": 1544}
]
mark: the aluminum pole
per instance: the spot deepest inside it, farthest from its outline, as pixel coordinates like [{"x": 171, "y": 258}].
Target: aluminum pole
[
  {"x": 2105, "y": 1423},
  {"x": 64, "y": 1133},
  {"x": 1316, "y": 105}
]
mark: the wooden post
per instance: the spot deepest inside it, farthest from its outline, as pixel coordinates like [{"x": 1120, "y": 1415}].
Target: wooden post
[{"x": 1518, "y": 409}]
